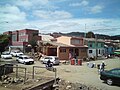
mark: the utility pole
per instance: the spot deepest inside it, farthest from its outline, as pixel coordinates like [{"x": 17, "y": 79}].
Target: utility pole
[
  {"x": 85, "y": 31},
  {"x": 96, "y": 47}
]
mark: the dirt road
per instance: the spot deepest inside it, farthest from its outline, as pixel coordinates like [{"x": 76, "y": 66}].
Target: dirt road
[
  {"x": 86, "y": 75},
  {"x": 79, "y": 74}
]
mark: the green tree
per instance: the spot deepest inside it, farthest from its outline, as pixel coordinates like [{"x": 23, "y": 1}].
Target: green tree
[
  {"x": 90, "y": 35},
  {"x": 33, "y": 43},
  {"x": 4, "y": 42}
]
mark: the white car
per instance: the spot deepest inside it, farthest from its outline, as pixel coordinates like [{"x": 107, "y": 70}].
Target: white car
[
  {"x": 54, "y": 59},
  {"x": 25, "y": 59},
  {"x": 6, "y": 55},
  {"x": 16, "y": 53}
]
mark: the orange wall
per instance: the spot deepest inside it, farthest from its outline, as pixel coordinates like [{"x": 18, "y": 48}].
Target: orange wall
[
  {"x": 64, "y": 40},
  {"x": 63, "y": 55}
]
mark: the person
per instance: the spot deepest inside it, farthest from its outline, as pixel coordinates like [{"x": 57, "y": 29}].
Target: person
[
  {"x": 48, "y": 64},
  {"x": 39, "y": 56},
  {"x": 103, "y": 66}
]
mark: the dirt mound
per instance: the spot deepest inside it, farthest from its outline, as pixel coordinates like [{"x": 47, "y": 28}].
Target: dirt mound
[{"x": 66, "y": 85}]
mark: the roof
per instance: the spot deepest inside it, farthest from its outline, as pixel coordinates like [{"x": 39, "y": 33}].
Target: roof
[
  {"x": 47, "y": 37},
  {"x": 93, "y": 39},
  {"x": 61, "y": 44}
]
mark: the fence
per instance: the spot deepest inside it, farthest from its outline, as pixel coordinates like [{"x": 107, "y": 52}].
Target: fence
[{"x": 6, "y": 69}]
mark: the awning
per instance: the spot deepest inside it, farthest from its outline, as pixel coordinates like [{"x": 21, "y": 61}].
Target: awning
[
  {"x": 117, "y": 53},
  {"x": 118, "y": 50}
]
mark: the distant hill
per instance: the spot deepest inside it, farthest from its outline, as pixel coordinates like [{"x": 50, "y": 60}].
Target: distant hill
[
  {"x": 116, "y": 37},
  {"x": 82, "y": 34}
]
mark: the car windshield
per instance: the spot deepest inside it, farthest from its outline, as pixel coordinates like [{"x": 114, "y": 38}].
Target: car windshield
[
  {"x": 48, "y": 58},
  {"x": 56, "y": 58},
  {"x": 26, "y": 57},
  {"x": 5, "y": 53}
]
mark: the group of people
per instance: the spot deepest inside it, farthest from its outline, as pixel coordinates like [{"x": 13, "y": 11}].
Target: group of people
[{"x": 101, "y": 67}]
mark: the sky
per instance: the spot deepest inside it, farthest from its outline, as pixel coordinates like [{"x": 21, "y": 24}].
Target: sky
[{"x": 48, "y": 16}]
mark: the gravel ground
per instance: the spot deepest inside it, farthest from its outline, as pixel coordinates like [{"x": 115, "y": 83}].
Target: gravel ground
[
  {"x": 74, "y": 77},
  {"x": 88, "y": 76}
]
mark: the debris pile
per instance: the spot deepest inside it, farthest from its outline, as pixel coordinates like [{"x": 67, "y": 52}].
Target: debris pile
[
  {"x": 63, "y": 85},
  {"x": 9, "y": 80}
]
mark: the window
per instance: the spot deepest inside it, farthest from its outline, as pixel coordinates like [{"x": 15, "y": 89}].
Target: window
[
  {"x": 102, "y": 45},
  {"x": 83, "y": 50},
  {"x": 90, "y": 51},
  {"x": 75, "y": 41},
  {"x": 62, "y": 50},
  {"x": 14, "y": 37},
  {"x": 23, "y": 40},
  {"x": 99, "y": 51},
  {"x": 22, "y": 34},
  {"x": 90, "y": 44}
]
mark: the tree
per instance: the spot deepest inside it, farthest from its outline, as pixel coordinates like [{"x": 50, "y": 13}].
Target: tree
[
  {"x": 33, "y": 43},
  {"x": 4, "y": 42},
  {"x": 90, "y": 35}
]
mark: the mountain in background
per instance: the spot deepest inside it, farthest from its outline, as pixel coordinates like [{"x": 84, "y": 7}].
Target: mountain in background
[{"x": 82, "y": 34}]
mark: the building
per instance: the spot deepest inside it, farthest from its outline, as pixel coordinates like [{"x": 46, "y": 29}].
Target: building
[
  {"x": 110, "y": 47},
  {"x": 65, "y": 48},
  {"x": 95, "y": 47},
  {"x": 21, "y": 38},
  {"x": 76, "y": 47}
]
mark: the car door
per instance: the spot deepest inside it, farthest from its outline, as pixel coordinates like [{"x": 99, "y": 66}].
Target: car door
[
  {"x": 116, "y": 75},
  {"x": 21, "y": 59}
]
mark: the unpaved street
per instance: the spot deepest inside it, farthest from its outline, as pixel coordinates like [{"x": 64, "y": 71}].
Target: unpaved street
[
  {"x": 78, "y": 74},
  {"x": 86, "y": 75}
]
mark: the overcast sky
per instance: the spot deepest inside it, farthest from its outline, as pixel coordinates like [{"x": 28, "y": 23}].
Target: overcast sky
[{"x": 99, "y": 16}]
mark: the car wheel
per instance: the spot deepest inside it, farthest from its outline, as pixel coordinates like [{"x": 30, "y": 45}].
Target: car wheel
[{"x": 109, "y": 81}]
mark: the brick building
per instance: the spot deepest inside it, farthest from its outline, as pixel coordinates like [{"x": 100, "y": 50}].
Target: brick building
[{"x": 21, "y": 38}]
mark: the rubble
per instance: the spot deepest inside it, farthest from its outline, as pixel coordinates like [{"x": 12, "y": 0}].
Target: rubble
[{"x": 66, "y": 85}]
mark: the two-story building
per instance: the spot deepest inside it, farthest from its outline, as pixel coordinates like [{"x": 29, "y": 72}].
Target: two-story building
[
  {"x": 95, "y": 47},
  {"x": 21, "y": 38},
  {"x": 65, "y": 48}
]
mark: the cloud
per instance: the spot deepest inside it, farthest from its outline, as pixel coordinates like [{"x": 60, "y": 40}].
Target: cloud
[
  {"x": 53, "y": 15},
  {"x": 11, "y": 13},
  {"x": 27, "y": 4},
  {"x": 96, "y": 9},
  {"x": 37, "y": 4},
  {"x": 68, "y": 25},
  {"x": 83, "y": 3}
]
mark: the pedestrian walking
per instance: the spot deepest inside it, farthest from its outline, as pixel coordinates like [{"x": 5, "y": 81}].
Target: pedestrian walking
[
  {"x": 103, "y": 65},
  {"x": 39, "y": 56}
]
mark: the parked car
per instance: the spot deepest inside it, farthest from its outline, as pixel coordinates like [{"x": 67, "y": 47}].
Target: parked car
[
  {"x": 53, "y": 59},
  {"x": 6, "y": 55},
  {"x": 16, "y": 53},
  {"x": 111, "y": 76},
  {"x": 25, "y": 59}
]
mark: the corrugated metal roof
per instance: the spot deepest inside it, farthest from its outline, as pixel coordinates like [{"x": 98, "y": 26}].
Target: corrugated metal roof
[
  {"x": 46, "y": 37},
  {"x": 61, "y": 44}
]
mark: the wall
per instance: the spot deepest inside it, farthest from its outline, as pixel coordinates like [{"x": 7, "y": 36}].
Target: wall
[{"x": 64, "y": 40}]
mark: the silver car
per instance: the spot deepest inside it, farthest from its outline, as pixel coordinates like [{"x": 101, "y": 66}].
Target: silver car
[{"x": 54, "y": 59}]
